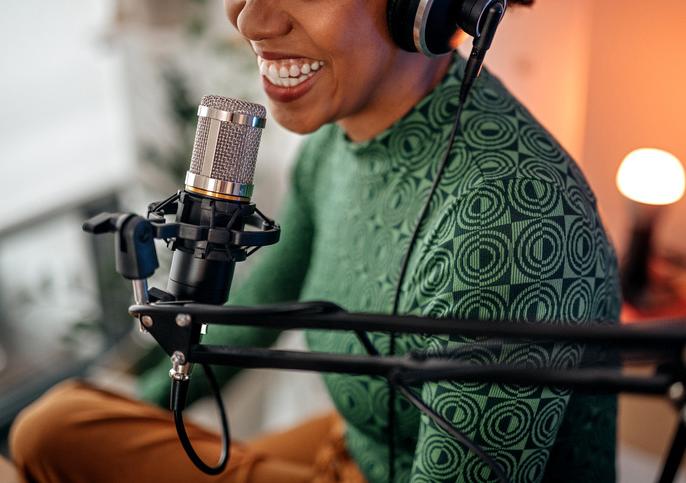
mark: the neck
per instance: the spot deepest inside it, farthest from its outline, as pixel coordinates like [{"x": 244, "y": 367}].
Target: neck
[{"x": 411, "y": 80}]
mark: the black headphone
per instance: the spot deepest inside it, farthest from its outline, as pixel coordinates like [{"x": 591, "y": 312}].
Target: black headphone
[{"x": 427, "y": 26}]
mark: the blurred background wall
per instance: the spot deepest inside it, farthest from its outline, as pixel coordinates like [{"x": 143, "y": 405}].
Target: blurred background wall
[
  {"x": 98, "y": 112},
  {"x": 605, "y": 77}
]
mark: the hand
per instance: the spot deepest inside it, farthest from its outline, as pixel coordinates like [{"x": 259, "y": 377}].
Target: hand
[{"x": 8, "y": 473}]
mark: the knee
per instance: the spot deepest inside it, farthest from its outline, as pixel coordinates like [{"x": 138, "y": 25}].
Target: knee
[{"x": 38, "y": 433}]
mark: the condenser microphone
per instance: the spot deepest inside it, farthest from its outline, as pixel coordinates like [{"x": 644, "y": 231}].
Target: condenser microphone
[
  {"x": 225, "y": 150},
  {"x": 216, "y": 198}
]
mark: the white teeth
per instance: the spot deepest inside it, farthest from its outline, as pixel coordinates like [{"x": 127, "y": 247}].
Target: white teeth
[
  {"x": 273, "y": 72},
  {"x": 288, "y": 72}
]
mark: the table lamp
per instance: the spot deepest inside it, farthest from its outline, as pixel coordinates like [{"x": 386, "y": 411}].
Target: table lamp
[{"x": 651, "y": 179}]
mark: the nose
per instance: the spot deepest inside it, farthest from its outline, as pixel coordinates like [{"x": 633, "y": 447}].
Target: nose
[{"x": 259, "y": 19}]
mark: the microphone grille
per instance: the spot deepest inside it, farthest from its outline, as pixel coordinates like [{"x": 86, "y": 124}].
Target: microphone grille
[{"x": 225, "y": 151}]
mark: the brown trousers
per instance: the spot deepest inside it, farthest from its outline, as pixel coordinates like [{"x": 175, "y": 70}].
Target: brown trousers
[{"x": 77, "y": 433}]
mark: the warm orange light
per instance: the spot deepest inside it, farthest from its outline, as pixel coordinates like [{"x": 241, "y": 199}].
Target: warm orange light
[{"x": 651, "y": 176}]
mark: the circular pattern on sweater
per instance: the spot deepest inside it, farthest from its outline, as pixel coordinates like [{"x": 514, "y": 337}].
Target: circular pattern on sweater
[
  {"x": 576, "y": 200},
  {"x": 577, "y": 301},
  {"x": 435, "y": 272},
  {"x": 536, "y": 302},
  {"x": 539, "y": 249},
  {"x": 490, "y": 131},
  {"x": 372, "y": 164},
  {"x": 602, "y": 306},
  {"x": 575, "y": 173},
  {"x": 440, "y": 455},
  {"x": 489, "y": 100},
  {"x": 445, "y": 229},
  {"x": 463, "y": 411},
  {"x": 379, "y": 394},
  {"x": 352, "y": 397},
  {"x": 459, "y": 170},
  {"x": 527, "y": 355},
  {"x": 439, "y": 306},
  {"x": 540, "y": 144},
  {"x": 602, "y": 251},
  {"x": 442, "y": 112},
  {"x": 522, "y": 356},
  {"x": 507, "y": 424},
  {"x": 532, "y": 197},
  {"x": 478, "y": 471},
  {"x": 532, "y": 466},
  {"x": 369, "y": 295},
  {"x": 481, "y": 304},
  {"x": 542, "y": 170},
  {"x": 399, "y": 200},
  {"x": 566, "y": 356},
  {"x": 414, "y": 146},
  {"x": 495, "y": 165},
  {"x": 581, "y": 249},
  {"x": 483, "y": 258},
  {"x": 482, "y": 207},
  {"x": 547, "y": 421}
]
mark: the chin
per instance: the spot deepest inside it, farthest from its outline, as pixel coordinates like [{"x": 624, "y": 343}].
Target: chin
[{"x": 298, "y": 123}]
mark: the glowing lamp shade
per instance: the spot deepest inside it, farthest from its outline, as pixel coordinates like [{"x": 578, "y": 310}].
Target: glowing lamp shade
[{"x": 651, "y": 176}]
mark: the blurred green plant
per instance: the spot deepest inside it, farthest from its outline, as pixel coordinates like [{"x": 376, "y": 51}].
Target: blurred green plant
[
  {"x": 181, "y": 100},
  {"x": 183, "y": 109}
]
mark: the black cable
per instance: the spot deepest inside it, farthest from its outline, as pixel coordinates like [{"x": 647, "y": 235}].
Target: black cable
[
  {"x": 472, "y": 70},
  {"x": 450, "y": 429},
  {"x": 398, "y": 289},
  {"x": 178, "y": 402},
  {"x": 425, "y": 209},
  {"x": 404, "y": 390}
]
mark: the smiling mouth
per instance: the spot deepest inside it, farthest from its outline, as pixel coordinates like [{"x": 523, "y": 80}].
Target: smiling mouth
[{"x": 288, "y": 73}]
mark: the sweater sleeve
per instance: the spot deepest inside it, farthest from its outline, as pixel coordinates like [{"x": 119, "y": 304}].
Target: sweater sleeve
[
  {"x": 277, "y": 276},
  {"x": 511, "y": 249}
]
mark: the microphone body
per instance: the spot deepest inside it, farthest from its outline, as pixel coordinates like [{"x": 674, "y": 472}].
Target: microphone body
[
  {"x": 216, "y": 198},
  {"x": 202, "y": 271}
]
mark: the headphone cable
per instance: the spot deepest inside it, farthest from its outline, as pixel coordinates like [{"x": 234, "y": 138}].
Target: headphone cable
[{"x": 472, "y": 70}]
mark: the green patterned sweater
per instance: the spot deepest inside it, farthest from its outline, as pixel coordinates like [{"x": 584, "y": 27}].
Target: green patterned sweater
[{"x": 512, "y": 233}]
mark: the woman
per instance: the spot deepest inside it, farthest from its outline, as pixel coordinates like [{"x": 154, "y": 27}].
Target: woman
[{"x": 512, "y": 233}]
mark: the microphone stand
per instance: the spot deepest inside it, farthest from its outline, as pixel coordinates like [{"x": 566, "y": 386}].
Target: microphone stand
[{"x": 178, "y": 327}]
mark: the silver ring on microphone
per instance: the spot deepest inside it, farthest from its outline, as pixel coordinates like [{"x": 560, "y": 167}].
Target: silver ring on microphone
[
  {"x": 232, "y": 117},
  {"x": 217, "y": 187}
]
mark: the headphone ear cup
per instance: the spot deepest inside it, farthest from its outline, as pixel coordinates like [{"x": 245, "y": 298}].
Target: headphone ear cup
[
  {"x": 401, "y": 15},
  {"x": 437, "y": 27}
]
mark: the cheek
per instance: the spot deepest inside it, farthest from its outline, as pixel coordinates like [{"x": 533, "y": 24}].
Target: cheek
[
  {"x": 350, "y": 32},
  {"x": 359, "y": 52}
]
